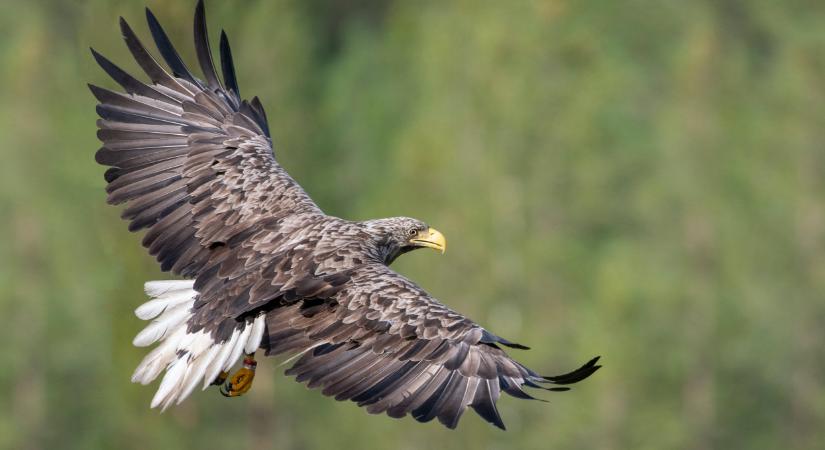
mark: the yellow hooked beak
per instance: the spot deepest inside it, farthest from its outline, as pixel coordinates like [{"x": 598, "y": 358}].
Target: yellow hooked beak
[{"x": 430, "y": 238}]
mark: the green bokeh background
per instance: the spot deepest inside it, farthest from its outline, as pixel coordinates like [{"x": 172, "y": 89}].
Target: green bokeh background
[{"x": 644, "y": 180}]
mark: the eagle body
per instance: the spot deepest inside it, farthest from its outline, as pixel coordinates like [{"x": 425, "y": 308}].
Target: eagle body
[{"x": 263, "y": 268}]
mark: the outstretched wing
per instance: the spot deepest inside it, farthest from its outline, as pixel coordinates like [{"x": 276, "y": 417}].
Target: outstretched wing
[
  {"x": 386, "y": 344},
  {"x": 194, "y": 164}
]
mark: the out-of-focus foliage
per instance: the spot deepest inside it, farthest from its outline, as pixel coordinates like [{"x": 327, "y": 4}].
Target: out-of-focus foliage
[{"x": 643, "y": 180}]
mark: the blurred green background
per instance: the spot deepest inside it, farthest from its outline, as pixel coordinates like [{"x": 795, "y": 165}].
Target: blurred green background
[{"x": 644, "y": 180}]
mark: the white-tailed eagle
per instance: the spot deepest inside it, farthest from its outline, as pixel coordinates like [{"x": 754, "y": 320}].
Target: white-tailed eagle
[{"x": 264, "y": 268}]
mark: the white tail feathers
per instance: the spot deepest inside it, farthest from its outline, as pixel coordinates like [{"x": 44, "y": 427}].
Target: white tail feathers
[{"x": 188, "y": 358}]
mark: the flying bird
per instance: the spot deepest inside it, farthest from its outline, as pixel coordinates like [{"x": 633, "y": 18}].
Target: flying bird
[{"x": 263, "y": 268}]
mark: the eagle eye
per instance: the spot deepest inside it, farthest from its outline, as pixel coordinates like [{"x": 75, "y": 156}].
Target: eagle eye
[{"x": 412, "y": 232}]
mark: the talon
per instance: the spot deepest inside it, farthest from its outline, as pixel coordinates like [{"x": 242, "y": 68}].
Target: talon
[{"x": 241, "y": 381}]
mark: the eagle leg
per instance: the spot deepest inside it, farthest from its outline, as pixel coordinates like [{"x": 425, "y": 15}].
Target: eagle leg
[{"x": 239, "y": 383}]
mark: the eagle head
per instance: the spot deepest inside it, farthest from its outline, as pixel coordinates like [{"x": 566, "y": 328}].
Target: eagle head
[{"x": 399, "y": 235}]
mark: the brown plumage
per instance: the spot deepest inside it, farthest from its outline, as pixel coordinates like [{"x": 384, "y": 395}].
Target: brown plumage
[{"x": 194, "y": 164}]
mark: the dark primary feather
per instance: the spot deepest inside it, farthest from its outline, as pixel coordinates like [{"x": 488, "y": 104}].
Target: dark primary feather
[
  {"x": 194, "y": 165},
  {"x": 203, "y": 50},
  {"x": 167, "y": 50},
  {"x": 227, "y": 67},
  {"x": 151, "y": 67},
  {"x": 128, "y": 82}
]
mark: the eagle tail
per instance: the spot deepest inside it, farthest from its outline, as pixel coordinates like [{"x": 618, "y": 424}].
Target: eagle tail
[{"x": 188, "y": 357}]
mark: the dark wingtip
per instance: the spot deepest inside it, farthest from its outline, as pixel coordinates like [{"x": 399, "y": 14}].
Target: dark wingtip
[
  {"x": 97, "y": 56},
  {"x": 125, "y": 29},
  {"x": 577, "y": 375},
  {"x": 111, "y": 174},
  {"x": 515, "y": 345},
  {"x": 259, "y": 110},
  {"x": 227, "y": 66},
  {"x": 494, "y": 419},
  {"x": 167, "y": 50},
  {"x": 97, "y": 91},
  {"x": 484, "y": 404},
  {"x": 200, "y": 12},
  {"x": 102, "y": 61},
  {"x": 202, "y": 47},
  {"x": 515, "y": 390},
  {"x": 492, "y": 339}
]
